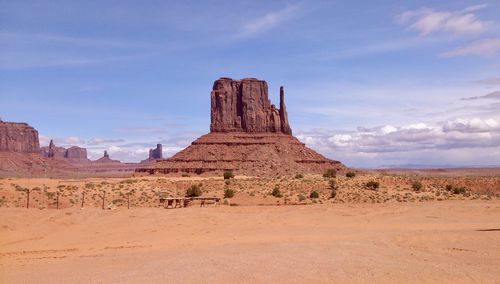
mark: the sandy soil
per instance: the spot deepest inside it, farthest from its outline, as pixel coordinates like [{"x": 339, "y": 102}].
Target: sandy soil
[
  {"x": 146, "y": 191},
  {"x": 449, "y": 241}
]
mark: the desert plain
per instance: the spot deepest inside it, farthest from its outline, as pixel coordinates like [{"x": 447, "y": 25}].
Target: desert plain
[{"x": 392, "y": 234}]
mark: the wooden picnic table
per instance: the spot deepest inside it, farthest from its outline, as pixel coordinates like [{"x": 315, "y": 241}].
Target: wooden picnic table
[{"x": 174, "y": 202}]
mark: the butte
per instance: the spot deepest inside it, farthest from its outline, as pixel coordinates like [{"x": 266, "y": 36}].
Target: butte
[{"x": 248, "y": 135}]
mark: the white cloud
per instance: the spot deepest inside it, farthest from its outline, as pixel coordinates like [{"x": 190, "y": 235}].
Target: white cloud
[
  {"x": 410, "y": 143},
  {"x": 487, "y": 47},
  {"x": 471, "y": 125},
  {"x": 492, "y": 96},
  {"x": 474, "y": 8},
  {"x": 426, "y": 21},
  {"x": 492, "y": 81},
  {"x": 268, "y": 21},
  {"x": 73, "y": 140}
]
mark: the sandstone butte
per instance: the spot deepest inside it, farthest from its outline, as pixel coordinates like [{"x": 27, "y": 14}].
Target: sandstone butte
[
  {"x": 74, "y": 153},
  {"x": 248, "y": 135},
  {"x": 154, "y": 154},
  {"x": 21, "y": 154}
]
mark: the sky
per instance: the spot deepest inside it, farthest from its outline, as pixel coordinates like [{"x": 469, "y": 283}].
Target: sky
[{"x": 370, "y": 83}]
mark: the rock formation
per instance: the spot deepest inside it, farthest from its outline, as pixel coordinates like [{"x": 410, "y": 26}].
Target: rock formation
[
  {"x": 247, "y": 135},
  {"x": 106, "y": 159},
  {"x": 244, "y": 106},
  {"x": 74, "y": 153},
  {"x": 154, "y": 154},
  {"x": 18, "y": 137}
]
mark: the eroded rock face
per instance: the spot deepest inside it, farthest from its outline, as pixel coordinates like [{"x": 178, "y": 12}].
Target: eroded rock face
[
  {"x": 18, "y": 137},
  {"x": 73, "y": 153},
  {"x": 244, "y": 106},
  {"x": 76, "y": 152},
  {"x": 156, "y": 153}
]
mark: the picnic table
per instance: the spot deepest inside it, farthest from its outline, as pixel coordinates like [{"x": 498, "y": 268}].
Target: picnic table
[{"x": 174, "y": 202}]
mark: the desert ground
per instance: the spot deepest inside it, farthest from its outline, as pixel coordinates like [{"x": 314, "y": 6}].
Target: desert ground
[
  {"x": 450, "y": 241},
  {"x": 447, "y": 230}
]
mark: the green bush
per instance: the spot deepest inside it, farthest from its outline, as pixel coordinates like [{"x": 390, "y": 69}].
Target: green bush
[
  {"x": 228, "y": 174},
  {"x": 276, "y": 192},
  {"x": 299, "y": 176},
  {"x": 350, "y": 174},
  {"x": 228, "y": 193},
  {"x": 372, "y": 185},
  {"x": 314, "y": 194},
  {"x": 417, "y": 185},
  {"x": 194, "y": 191},
  {"x": 330, "y": 173}
]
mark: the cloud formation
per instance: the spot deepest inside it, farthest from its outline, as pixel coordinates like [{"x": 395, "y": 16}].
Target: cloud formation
[
  {"x": 427, "y": 21},
  {"x": 487, "y": 47},
  {"x": 268, "y": 21},
  {"x": 412, "y": 139},
  {"x": 494, "y": 96},
  {"x": 492, "y": 81}
]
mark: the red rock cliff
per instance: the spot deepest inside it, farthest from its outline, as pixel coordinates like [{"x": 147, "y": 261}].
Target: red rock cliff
[
  {"x": 244, "y": 106},
  {"x": 18, "y": 137}
]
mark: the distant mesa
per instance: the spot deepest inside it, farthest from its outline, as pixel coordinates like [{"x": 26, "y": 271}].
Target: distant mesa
[
  {"x": 74, "y": 153},
  {"x": 106, "y": 159},
  {"x": 248, "y": 135},
  {"x": 21, "y": 155},
  {"x": 18, "y": 137},
  {"x": 154, "y": 154}
]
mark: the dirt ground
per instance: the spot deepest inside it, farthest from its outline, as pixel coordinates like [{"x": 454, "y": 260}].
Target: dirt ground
[
  {"x": 50, "y": 193},
  {"x": 450, "y": 241}
]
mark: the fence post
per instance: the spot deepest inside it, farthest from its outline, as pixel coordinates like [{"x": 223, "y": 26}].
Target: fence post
[
  {"x": 103, "y": 198},
  {"x": 28, "y": 198},
  {"x": 83, "y": 199}
]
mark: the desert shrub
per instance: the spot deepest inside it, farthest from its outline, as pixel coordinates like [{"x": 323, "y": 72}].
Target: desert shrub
[
  {"x": 228, "y": 193},
  {"x": 459, "y": 190},
  {"x": 302, "y": 197},
  {"x": 299, "y": 176},
  {"x": 350, "y": 174},
  {"x": 333, "y": 193},
  {"x": 227, "y": 182},
  {"x": 333, "y": 186},
  {"x": 228, "y": 174},
  {"x": 129, "y": 181},
  {"x": 314, "y": 194},
  {"x": 456, "y": 189},
  {"x": 276, "y": 192},
  {"x": 193, "y": 191},
  {"x": 417, "y": 185},
  {"x": 330, "y": 173},
  {"x": 185, "y": 175},
  {"x": 372, "y": 185}
]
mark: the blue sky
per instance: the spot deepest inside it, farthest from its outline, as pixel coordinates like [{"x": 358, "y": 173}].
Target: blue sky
[{"x": 369, "y": 83}]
